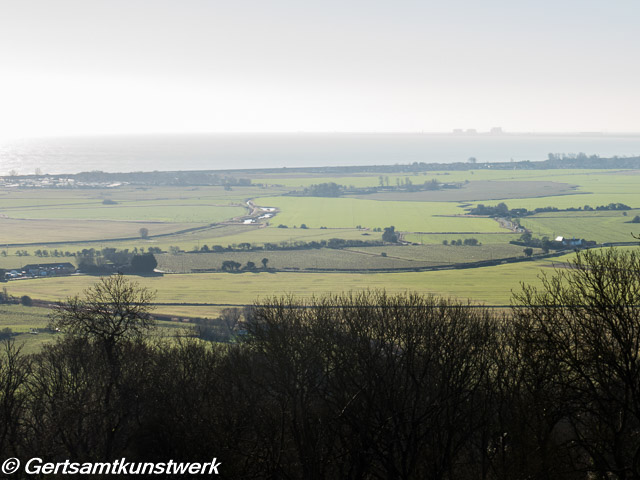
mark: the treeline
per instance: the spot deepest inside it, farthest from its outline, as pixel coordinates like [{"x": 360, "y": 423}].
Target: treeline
[
  {"x": 472, "y": 242},
  {"x": 356, "y": 386},
  {"x": 501, "y": 209},
  {"x": 323, "y": 190},
  {"x": 332, "y": 189},
  {"x": 110, "y": 260},
  {"x": 268, "y": 246}
]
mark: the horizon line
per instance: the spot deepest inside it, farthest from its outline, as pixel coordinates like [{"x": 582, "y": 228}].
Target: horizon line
[{"x": 454, "y": 132}]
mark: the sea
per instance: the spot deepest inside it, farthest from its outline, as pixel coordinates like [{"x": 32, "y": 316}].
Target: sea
[{"x": 128, "y": 153}]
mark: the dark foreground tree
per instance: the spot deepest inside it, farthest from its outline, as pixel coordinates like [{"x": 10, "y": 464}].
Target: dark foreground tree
[
  {"x": 84, "y": 392},
  {"x": 585, "y": 319},
  {"x": 355, "y": 386},
  {"x": 373, "y": 386},
  {"x": 14, "y": 372}
]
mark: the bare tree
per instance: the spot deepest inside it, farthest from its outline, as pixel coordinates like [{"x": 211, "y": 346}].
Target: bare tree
[
  {"x": 587, "y": 318},
  {"x": 111, "y": 310},
  {"x": 14, "y": 371}
]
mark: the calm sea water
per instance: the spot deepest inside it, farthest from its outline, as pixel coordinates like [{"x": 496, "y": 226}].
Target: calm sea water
[{"x": 235, "y": 151}]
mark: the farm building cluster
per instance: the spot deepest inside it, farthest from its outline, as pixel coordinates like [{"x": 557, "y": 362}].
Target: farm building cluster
[{"x": 40, "y": 270}]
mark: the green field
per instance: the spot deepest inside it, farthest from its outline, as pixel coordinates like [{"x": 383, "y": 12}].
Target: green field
[
  {"x": 188, "y": 213},
  {"x": 351, "y": 212},
  {"x": 609, "y": 226},
  {"x": 484, "y": 238},
  {"x": 75, "y": 219},
  {"x": 491, "y": 285},
  {"x": 28, "y": 325},
  {"x": 44, "y": 231},
  {"x": 362, "y": 258}
]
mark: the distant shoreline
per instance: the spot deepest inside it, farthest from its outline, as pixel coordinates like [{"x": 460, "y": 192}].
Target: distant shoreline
[
  {"x": 243, "y": 152},
  {"x": 230, "y": 176}
]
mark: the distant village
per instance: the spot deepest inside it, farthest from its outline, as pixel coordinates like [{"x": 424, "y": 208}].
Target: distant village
[{"x": 52, "y": 181}]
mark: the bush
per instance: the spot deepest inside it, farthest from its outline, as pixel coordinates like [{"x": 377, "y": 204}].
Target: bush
[
  {"x": 390, "y": 235},
  {"x": 26, "y": 301}
]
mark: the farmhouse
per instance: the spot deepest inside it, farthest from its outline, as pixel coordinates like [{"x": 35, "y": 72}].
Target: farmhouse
[
  {"x": 573, "y": 242},
  {"x": 49, "y": 269}
]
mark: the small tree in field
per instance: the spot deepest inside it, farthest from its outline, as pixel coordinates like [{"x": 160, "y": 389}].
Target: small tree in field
[
  {"x": 390, "y": 235},
  {"x": 144, "y": 232},
  {"x": 110, "y": 311}
]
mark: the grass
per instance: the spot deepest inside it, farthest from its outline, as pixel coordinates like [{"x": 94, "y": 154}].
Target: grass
[
  {"x": 478, "y": 190},
  {"x": 491, "y": 285},
  {"x": 46, "y": 230},
  {"x": 608, "y": 226},
  {"x": 325, "y": 258},
  {"x": 21, "y": 320},
  {"x": 76, "y": 215},
  {"x": 17, "y": 198},
  {"x": 189, "y": 213},
  {"x": 223, "y": 235},
  {"x": 445, "y": 254},
  {"x": 369, "y": 180},
  {"x": 350, "y": 212},
  {"x": 485, "y": 239},
  {"x": 347, "y": 259},
  {"x": 578, "y": 200}
]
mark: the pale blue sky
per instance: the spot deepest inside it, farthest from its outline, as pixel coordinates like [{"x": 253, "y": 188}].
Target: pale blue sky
[{"x": 134, "y": 66}]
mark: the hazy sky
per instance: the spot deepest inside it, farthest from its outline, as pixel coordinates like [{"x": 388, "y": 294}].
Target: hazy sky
[{"x": 138, "y": 66}]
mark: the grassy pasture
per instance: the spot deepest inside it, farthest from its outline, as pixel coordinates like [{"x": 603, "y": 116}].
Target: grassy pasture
[
  {"x": 610, "y": 226},
  {"x": 371, "y": 180},
  {"x": 491, "y": 285},
  {"x": 74, "y": 216},
  {"x": 325, "y": 258},
  {"x": 273, "y": 234},
  {"x": 478, "y": 190},
  {"x": 346, "y": 259},
  {"x": 223, "y": 235},
  {"x": 350, "y": 212},
  {"x": 22, "y": 319},
  {"x": 292, "y": 182},
  {"x": 46, "y": 230},
  {"x": 11, "y": 197},
  {"x": 572, "y": 176},
  {"x": 445, "y": 254},
  {"x": 154, "y": 213},
  {"x": 484, "y": 238}
]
